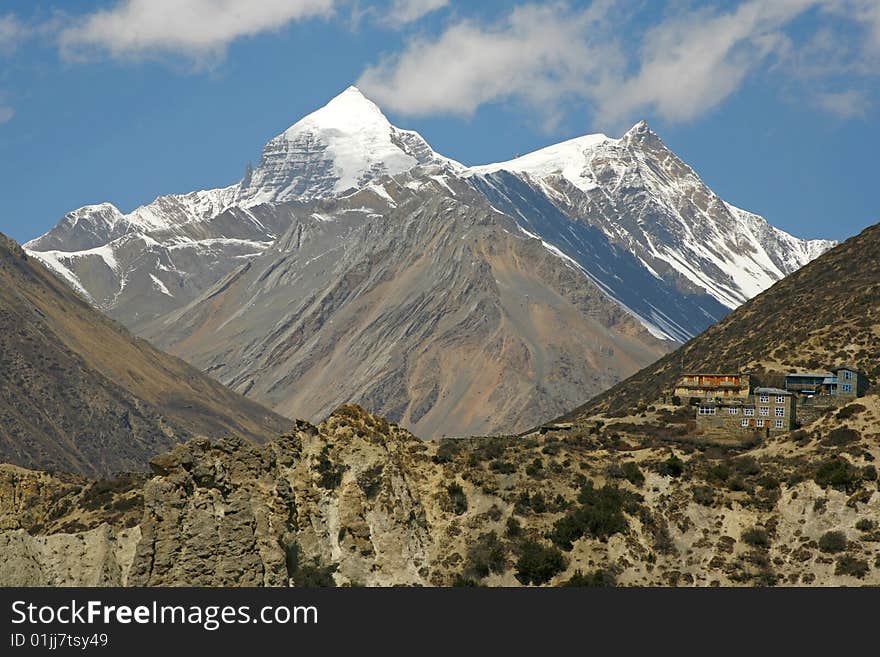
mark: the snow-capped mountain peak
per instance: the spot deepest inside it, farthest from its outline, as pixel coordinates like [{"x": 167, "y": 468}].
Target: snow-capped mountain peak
[
  {"x": 342, "y": 145},
  {"x": 567, "y": 159},
  {"x": 350, "y": 113}
]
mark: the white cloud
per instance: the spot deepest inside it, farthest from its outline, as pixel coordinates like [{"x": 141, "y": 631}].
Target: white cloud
[
  {"x": 12, "y": 33},
  {"x": 682, "y": 66},
  {"x": 403, "y": 12},
  {"x": 537, "y": 54},
  {"x": 689, "y": 64},
  {"x": 195, "y": 28},
  {"x": 850, "y": 104}
]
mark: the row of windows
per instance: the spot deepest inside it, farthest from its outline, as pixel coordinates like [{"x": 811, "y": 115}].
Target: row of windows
[
  {"x": 765, "y": 399},
  {"x": 780, "y": 424},
  {"x": 764, "y": 411}
]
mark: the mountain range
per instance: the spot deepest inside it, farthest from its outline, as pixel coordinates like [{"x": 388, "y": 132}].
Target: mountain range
[
  {"x": 625, "y": 495},
  {"x": 355, "y": 264}
]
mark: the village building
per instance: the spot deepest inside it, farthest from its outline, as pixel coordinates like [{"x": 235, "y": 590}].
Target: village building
[
  {"x": 693, "y": 388},
  {"x": 767, "y": 412},
  {"x": 842, "y": 384}
]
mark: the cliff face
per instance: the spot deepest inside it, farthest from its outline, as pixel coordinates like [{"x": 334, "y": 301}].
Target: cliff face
[{"x": 358, "y": 501}]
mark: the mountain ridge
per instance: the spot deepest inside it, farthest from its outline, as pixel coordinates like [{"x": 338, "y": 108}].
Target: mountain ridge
[
  {"x": 79, "y": 393},
  {"x": 823, "y": 315}
]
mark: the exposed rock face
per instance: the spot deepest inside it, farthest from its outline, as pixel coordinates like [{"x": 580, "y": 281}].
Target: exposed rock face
[
  {"x": 79, "y": 393},
  {"x": 647, "y": 200},
  {"x": 358, "y": 501},
  {"x": 467, "y": 325},
  {"x": 99, "y": 557}
]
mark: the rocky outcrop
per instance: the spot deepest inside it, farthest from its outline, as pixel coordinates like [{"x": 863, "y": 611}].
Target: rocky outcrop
[{"x": 358, "y": 501}]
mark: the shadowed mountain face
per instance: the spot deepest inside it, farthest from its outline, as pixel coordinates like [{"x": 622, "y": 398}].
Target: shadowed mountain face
[
  {"x": 825, "y": 314},
  {"x": 355, "y": 264},
  {"x": 415, "y": 298},
  {"x": 79, "y": 393}
]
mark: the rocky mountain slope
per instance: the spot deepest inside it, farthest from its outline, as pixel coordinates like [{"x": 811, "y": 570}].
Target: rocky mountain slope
[
  {"x": 467, "y": 325},
  {"x": 359, "y": 501},
  {"x": 625, "y": 217},
  {"x": 827, "y": 313},
  {"x": 79, "y": 393}
]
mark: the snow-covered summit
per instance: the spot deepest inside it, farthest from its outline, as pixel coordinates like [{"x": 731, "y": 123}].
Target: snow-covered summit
[
  {"x": 567, "y": 159},
  {"x": 343, "y": 145}
]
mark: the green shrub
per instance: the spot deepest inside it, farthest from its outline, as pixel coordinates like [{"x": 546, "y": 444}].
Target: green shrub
[
  {"x": 447, "y": 450},
  {"x": 513, "y": 529},
  {"x": 672, "y": 467},
  {"x": 632, "y": 473},
  {"x": 461, "y": 581},
  {"x": 538, "y": 564},
  {"x": 837, "y": 473},
  {"x": 457, "y": 498},
  {"x": 849, "y": 565},
  {"x": 487, "y": 555},
  {"x": 330, "y": 473},
  {"x": 534, "y": 468},
  {"x": 865, "y": 525},
  {"x": 746, "y": 465},
  {"x": 833, "y": 542},
  {"x": 848, "y": 411},
  {"x": 597, "y": 578},
  {"x": 719, "y": 472},
  {"x": 756, "y": 537},
  {"x": 503, "y": 467},
  {"x": 599, "y": 515},
  {"x": 841, "y": 436}
]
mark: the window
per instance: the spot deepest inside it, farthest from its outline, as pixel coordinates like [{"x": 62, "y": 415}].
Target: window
[
  {"x": 765, "y": 399},
  {"x": 765, "y": 411},
  {"x": 780, "y": 424},
  {"x": 745, "y": 422},
  {"x": 759, "y": 423},
  {"x": 749, "y": 412},
  {"x": 780, "y": 399},
  {"x": 707, "y": 410},
  {"x": 780, "y": 412},
  {"x": 847, "y": 376},
  {"x": 733, "y": 410},
  {"x": 847, "y": 387}
]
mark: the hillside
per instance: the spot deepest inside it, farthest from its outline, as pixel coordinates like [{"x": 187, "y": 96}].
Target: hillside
[
  {"x": 359, "y": 501},
  {"x": 79, "y": 393},
  {"x": 825, "y": 314}
]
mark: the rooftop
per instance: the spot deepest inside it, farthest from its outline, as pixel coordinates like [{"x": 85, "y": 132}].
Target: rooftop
[{"x": 771, "y": 391}]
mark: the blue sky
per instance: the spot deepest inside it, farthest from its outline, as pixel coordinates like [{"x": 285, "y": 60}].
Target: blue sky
[{"x": 773, "y": 103}]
